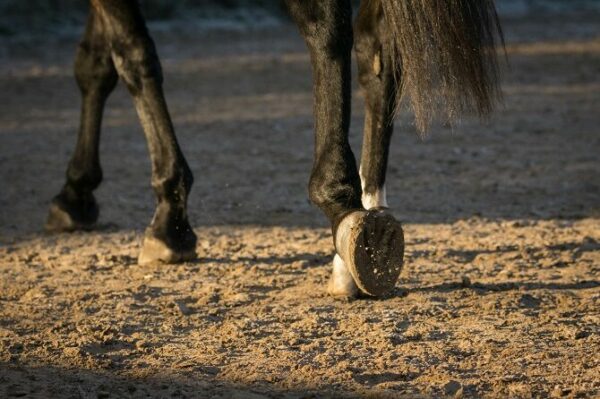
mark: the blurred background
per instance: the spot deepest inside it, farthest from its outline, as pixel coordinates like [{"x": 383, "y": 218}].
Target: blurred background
[{"x": 17, "y": 15}]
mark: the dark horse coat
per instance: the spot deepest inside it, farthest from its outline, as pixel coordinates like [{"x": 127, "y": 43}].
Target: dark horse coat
[{"x": 437, "y": 56}]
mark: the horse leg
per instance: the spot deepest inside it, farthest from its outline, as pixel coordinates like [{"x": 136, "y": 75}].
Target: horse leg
[
  {"x": 369, "y": 244},
  {"x": 75, "y": 206},
  {"x": 169, "y": 238},
  {"x": 379, "y": 81}
]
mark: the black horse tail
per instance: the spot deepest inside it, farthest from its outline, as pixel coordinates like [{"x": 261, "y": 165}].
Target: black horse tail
[{"x": 445, "y": 54}]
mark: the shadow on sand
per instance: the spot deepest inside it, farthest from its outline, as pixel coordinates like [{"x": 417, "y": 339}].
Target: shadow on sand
[{"x": 45, "y": 381}]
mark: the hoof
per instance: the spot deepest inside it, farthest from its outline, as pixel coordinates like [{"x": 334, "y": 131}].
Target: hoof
[
  {"x": 156, "y": 251},
  {"x": 341, "y": 283},
  {"x": 64, "y": 216},
  {"x": 371, "y": 244}
]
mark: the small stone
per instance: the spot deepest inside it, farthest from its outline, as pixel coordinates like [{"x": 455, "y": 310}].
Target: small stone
[
  {"x": 465, "y": 282},
  {"x": 558, "y": 392},
  {"x": 452, "y": 387},
  {"x": 529, "y": 301},
  {"x": 141, "y": 344},
  {"x": 183, "y": 308}
]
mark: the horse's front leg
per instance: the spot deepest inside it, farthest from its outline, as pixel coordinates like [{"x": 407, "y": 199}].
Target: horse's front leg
[
  {"x": 369, "y": 244},
  {"x": 169, "y": 238}
]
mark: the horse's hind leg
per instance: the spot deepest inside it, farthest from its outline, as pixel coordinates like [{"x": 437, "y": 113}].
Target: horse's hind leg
[
  {"x": 170, "y": 237},
  {"x": 75, "y": 207},
  {"x": 369, "y": 244},
  {"x": 379, "y": 82}
]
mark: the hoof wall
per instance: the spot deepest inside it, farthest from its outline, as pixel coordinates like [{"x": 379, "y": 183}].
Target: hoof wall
[
  {"x": 156, "y": 251},
  {"x": 60, "y": 220},
  {"x": 341, "y": 284},
  {"x": 371, "y": 244}
]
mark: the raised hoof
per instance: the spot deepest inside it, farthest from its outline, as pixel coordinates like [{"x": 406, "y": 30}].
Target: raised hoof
[
  {"x": 156, "y": 251},
  {"x": 371, "y": 243},
  {"x": 341, "y": 284},
  {"x": 63, "y": 217}
]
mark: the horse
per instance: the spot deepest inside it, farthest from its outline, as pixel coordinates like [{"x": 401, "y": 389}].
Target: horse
[{"x": 437, "y": 57}]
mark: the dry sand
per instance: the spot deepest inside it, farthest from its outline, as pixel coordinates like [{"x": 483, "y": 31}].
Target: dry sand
[{"x": 500, "y": 295}]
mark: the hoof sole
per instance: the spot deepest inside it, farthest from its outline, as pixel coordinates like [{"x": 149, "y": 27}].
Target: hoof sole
[
  {"x": 156, "y": 251},
  {"x": 371, "y": 243}
]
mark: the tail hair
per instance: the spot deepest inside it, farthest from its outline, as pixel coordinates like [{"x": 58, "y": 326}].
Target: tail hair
[{"x": 445, "y": 54}]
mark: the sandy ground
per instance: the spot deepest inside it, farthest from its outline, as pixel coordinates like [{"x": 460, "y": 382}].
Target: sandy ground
[{"x": 500, "y": 295}]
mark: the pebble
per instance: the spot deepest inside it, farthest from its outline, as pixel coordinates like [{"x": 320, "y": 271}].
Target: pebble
[
  {"x": 453, "y": 387},
  {"x": 558, "y": 392},
  {"x": 183, "y": 308},
  {"x": 465, "y": 282}
]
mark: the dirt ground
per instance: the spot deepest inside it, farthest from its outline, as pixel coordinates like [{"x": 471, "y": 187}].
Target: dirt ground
[{"x": 500, "y": 295}]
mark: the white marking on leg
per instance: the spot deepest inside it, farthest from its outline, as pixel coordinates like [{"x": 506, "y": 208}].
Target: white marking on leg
[
  {"x": 377, "y": 199},
  {"x": 377, "y": 67},
  {"x": 341, "y": 282}
]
